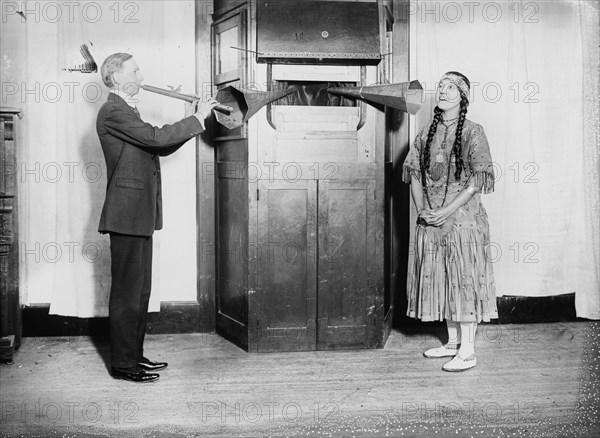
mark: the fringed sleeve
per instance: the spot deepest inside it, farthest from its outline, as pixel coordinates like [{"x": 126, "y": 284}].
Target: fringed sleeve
[
  {"x": 480, "y": 161},
  {"x": 412, "y": 166}
]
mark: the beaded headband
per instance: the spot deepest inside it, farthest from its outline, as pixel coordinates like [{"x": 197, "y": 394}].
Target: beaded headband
[{"x": 459, "y": 82}]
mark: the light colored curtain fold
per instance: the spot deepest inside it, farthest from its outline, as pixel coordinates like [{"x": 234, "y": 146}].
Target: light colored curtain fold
[
  {"x": 62, "y": 177},
  {"x": 530, "y": 69}
]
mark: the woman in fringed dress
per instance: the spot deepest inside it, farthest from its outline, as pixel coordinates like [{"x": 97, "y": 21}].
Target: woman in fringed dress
[{"x": 448, "y": 166}]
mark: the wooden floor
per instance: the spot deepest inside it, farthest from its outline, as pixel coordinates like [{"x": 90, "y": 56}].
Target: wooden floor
[{"x": 531, "y": 380}]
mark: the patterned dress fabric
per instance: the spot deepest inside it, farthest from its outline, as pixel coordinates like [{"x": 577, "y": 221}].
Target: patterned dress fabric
[{"x": 452, "y": 276}]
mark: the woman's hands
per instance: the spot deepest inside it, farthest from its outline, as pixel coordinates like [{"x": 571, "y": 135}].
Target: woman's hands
[{"x": 435, "y": 217}]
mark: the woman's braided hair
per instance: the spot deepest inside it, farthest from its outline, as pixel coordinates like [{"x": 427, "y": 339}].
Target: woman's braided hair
[{"x": 457, "y": 146}]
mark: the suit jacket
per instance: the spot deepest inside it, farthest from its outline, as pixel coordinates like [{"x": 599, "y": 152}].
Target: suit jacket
[{"x": 131, "y": 149}]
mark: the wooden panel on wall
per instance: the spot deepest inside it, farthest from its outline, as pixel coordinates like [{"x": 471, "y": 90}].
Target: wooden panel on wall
[{"x": 10, "y": 308}]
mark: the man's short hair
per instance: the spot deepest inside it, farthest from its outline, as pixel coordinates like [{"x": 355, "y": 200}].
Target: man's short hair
[{"x": 111, "y": 65}]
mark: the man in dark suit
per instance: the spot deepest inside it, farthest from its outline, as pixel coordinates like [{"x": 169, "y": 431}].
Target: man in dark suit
[{"x": 133, "y": 207}]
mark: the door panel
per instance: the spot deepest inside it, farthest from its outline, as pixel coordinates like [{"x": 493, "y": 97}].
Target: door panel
[
  {"x": 286, "y": 254},
  {"x": 232, "y": 259},
  {"x": 346, "y": 255}
]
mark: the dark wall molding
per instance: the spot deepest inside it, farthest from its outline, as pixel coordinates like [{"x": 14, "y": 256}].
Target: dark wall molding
[
  {"x": 516, "y": 309},
  {"x": 184, "y": 317},
  {"x": 174, "y": 317}
]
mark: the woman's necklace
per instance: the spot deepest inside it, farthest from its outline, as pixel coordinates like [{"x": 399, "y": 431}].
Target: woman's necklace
[
  {"x": 438, "y": 167},
  {"x": 445, "y": 191},
  {"x": 449, "y": 120},
  {"x": 447, "y": 124}
]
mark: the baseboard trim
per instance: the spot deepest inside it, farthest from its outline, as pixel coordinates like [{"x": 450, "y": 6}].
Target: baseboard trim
[
  {"x": 174, "y": 317},
  {"x": 516, "y": 309},
  {"x": 184, "y": 317}
]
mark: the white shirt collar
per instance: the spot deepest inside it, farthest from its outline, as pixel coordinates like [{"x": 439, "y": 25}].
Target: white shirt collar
[{"x": 129, "y": 100}]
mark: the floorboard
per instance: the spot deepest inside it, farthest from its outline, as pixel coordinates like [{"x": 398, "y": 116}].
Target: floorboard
[{"x": 531, "y": 380}]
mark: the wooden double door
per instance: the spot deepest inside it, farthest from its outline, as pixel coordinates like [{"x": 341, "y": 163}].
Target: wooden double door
[
  {"x": 308, "y": 276},
  {"x": 318, "y": 256}
]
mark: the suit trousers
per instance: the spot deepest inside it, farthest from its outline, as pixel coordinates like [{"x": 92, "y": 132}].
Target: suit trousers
[{"x": 131, "y": 269}]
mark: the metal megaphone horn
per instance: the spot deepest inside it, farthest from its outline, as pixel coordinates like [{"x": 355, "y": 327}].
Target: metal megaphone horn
[
  {"x": 244, "y": 103},
  {"x": 404, "y": 96}
]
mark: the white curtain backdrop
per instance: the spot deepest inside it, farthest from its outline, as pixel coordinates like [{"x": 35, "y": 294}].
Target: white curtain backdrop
[
  {"x": 62, "y": 173},
  {"x": 588, "y": 275},
  {"x": 534, "y": 69},
  {"x": 526, "y": 63}
]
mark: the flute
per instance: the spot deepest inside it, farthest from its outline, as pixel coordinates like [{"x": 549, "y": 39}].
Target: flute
[{"x": 188, "y": 98}]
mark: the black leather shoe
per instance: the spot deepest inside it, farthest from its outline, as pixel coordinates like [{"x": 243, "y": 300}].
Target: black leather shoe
[
  {"x": 135, "y": 375},
  {"x": 147, "y": 364}
]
